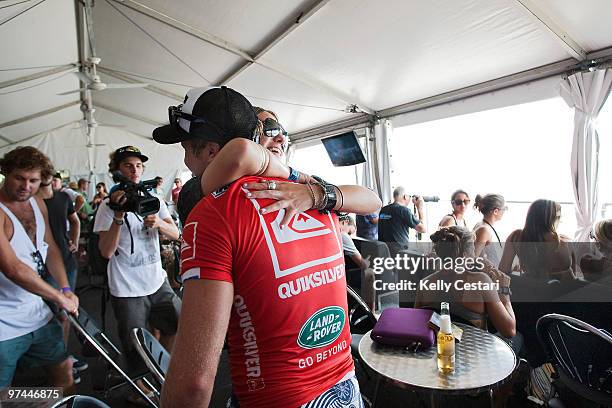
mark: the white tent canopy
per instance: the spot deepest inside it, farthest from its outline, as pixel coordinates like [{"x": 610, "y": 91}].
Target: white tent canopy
[{"x": 311, "y": 61}]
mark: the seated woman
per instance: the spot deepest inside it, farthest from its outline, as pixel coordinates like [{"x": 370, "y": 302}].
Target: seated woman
[
  {"x": 459, "y": 200},
  {"x": 598, "y": 268},
  {"x": 542, "y": 253},
  {"x": 455, "y": 247},
  {"x": 267, "y": 159},
  {"x": 488, "y": 243}
]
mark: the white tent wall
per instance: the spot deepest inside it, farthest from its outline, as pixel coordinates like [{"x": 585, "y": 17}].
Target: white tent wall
[
  {"x": 66, "y": 147},
  {"x": 525, "y": 93}
]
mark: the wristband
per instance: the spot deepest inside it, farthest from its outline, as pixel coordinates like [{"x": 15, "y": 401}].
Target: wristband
[
  {"x": 66, "y": 289},
  {"x": 312, "y": 195},
  {"x": 294, "y": 175},
  {"x": 504, "y": 290},
  {"x": 330, "y": 195},
  {"x": 118, "y": 221}
]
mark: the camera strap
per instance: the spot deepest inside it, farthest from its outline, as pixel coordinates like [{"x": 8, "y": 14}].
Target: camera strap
[{"x": 127, "y": 223}]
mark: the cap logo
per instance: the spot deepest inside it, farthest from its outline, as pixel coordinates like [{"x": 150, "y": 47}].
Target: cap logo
[{"x": 131, "y": 149}]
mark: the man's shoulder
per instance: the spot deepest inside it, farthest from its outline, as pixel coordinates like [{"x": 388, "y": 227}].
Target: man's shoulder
[
  {"x": 61, "y": 196},
  {"x": 233, "y": 188},
  {"x": 388, "y": 208}
]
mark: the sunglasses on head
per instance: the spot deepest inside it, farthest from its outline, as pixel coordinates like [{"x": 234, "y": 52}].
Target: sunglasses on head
[
  {"x": 175, "y": 113},
  {"x": 459, "y": 202}
]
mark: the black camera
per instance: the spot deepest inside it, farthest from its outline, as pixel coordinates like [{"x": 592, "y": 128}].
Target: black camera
[
  {"x": 138, "y": 199},
  {"x": 428, "y": 199}
]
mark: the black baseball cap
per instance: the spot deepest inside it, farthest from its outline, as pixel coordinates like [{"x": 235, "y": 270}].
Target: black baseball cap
[
  {"x": 128, "y": 151},
  {"x": 215, "y": 114}
]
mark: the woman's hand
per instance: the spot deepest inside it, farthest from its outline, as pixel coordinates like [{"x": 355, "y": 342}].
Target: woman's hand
[{"x": 294, "y": 198}]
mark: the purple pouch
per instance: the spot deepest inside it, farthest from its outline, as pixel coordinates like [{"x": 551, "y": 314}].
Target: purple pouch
[{"x": 404, "y": 327}]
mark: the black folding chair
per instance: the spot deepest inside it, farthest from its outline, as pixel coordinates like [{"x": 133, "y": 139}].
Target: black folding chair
[
  {"x": 361, "y": 320},
  {"x": 582, "y": 357},
  {"x": 79, "y": 401},
  {"x": 88, "y": 329},
  {"x": 154, "y": 355}
]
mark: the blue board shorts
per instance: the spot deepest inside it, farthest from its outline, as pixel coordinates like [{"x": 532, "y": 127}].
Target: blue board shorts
[{"x": 42, "y": 347}]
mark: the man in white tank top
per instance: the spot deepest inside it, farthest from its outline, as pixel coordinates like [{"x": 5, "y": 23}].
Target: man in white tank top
[{"x": 29, "y": 334}]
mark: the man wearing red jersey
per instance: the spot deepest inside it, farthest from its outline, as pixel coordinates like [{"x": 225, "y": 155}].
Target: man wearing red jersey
[{"x": 279, "y": 293}]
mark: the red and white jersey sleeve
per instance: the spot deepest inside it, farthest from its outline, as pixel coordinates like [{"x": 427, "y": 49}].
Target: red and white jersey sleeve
[{"x": 288, "y": 333}]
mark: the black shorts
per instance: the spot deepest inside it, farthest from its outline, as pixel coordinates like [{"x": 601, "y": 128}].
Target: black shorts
[{"x": 159, "y": 310}]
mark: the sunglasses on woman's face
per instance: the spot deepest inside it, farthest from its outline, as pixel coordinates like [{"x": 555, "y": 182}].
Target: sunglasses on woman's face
[{"x": 459, "y": 202}]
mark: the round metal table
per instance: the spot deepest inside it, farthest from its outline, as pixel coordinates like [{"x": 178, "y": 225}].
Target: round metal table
[{"x": 482, "y": 361}]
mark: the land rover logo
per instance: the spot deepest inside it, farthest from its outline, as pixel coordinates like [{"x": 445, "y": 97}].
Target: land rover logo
[{"x": 322, "y": 328}]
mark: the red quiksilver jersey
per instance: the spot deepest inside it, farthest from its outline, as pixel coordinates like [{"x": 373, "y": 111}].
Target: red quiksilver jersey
[{"x": 288, "y": 332}]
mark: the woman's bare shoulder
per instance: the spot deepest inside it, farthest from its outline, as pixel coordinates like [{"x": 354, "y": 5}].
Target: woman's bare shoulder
[{"x": 514, "y": 235}]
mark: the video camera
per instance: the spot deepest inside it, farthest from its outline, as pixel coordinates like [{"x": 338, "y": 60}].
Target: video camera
[
  {"x": 138, "y": 199},
  {"x": 428, "y": 199}
]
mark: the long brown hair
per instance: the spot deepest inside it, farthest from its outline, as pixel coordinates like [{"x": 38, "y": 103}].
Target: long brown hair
[
  {"x": 533, "y": 251},
  {"x": 541, "y": 218}
]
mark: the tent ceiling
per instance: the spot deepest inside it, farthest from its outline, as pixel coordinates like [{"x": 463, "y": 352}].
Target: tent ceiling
[
  {"x": 305, "y": 59},
  {"x": 586, "y": 22}
]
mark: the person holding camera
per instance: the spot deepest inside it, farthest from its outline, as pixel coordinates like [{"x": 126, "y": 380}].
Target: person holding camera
[
  {"x": 396, "y": 219},
  {"x": 140, "y": 292}
]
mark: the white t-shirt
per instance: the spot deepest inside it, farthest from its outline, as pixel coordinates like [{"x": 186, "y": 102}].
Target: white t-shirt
[
  {"x": 137, "y": 272},
  {"x": 348, "y": 246},
  {"x": 71, "y": 193}
]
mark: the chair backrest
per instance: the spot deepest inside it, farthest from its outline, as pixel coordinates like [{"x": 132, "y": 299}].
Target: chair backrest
[
  {"x": 361, "y": 318},
  {"x": 80, "y": 401},
  {"x": 581, "y": 355},
  {"x": 86, "y": 327},
  {"x": 384, "y": 297},
  {"x": 155, "y": 356},
  {"x": 85, "y": 324}
]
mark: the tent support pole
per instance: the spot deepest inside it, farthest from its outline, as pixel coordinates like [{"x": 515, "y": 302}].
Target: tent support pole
[
  {"x": 37, "y": 114},
  {"x": 559, "y": 34}
]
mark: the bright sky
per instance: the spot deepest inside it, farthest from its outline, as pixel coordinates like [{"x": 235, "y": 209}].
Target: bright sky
[{"x": 521, "y": 152}]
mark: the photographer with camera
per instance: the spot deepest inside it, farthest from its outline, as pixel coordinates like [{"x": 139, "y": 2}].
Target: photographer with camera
[
  {"x": 396, "y": 219},
  {"x": 129, "y": 224}
]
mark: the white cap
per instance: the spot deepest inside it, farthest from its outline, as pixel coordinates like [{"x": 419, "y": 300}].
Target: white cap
[{"x": 445, "y": 324}]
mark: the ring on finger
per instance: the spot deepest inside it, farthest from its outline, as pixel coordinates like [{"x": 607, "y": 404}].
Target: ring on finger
[{"x": 272, "y": 185}]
